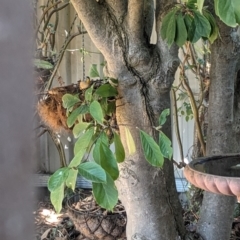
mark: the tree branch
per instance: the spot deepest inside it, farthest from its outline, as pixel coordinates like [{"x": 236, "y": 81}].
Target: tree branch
[
  {"x": 135, "y": 19},
  {"x": 95, "y": 18}
]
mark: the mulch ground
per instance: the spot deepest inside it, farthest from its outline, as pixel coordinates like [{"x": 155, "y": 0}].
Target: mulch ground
[{"x": 52, "y": 226}]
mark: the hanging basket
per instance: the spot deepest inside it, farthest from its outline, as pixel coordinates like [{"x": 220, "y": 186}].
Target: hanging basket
[{"x": 94, "y": 222}]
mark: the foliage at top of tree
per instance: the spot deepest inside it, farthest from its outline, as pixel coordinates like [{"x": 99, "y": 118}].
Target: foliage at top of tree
[{"x": 191, "y": 21}]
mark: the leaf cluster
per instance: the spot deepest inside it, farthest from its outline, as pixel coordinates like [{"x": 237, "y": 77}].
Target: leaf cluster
[
  {"x": 188, "y": 22},
  {"x": 91, "y": 116}
]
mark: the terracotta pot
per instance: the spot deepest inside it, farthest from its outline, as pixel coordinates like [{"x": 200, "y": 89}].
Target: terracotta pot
[{"x": 216, "y": 174}]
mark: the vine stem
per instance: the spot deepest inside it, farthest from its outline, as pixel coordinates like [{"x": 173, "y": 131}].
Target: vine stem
[
  {"x": 195, "y": 114},
  {"x": 49, "y": 84},
  {"x": 193, "y": 102},
  {"x": 177, "y": 132},
  {"x": 44, "y": 13}
]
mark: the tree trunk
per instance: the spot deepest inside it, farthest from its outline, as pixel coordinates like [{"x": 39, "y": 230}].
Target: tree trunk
[
  {"x": 147, "y": 193},
  {"x": 223, "y": 130},
  {"x": 121, "y": 30}
]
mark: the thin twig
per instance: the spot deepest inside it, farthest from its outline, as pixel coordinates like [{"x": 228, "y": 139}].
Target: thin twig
[
  {"x": 49, "y": 84},
  {"x": 177, "y": 124},
  {"x": 44, "y": 13},
  {"x": 195, "y": 114}
]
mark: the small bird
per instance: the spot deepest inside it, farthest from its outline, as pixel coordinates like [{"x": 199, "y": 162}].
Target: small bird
[{"x": 84, "y": 84}]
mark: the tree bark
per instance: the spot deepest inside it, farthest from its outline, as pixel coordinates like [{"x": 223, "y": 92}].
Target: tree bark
[
  {"x": 223, "y": 130},
  {"x": 121, "y": 30}
]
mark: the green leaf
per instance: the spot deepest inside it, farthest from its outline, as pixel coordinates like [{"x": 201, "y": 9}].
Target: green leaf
[
  {"x": 163, "y": 116},
  {"x": 106, "y": 90},
  {"x": 88, "y": 94},
  {"x": 77, "y": 158},
  {"x": 181, "y": 31},
  {"x": 111, "y": 107},
  {"x": 188, "y": 19},
  {"x": 42, "y": 64},
  {"x": 216, "y": 7},
  {"x": 226, "y": 11},
  {"x": 165, "y": 22},
  {"x": 130, "y": 142},
  {"x": 96, "y": 111},
  {"x": 79, "y": 127},
  {"x": 72, "y": 178},
  {"x": 203, "y": 27},
  {"x": 200, "y": 5},
  {"x": 214, "y": 28},
  {"x": 191, "y": 4},
  {"x": 165, "y": 146},
  {"x": 75, "y": 114},
  {"x": 104, "y": 105},
  {"x": 84, "y": 140},
  {"x": 57, "y": 179},
  {"x": 113, "y": 82},
  {"x": 106, "y": 194},
  {"x": 69, "y": 100},
  {"x": 151, "y": 150},
  {"x": 108, "y": 161},
  {"x": 102, "y": 139},
  {"x": 93, "y": 71},
  {"x": 56, "y": 198},
  {"x": 93, "y": 172},
  {"x": 119, "y": 150},
  {"x": 171, "y": 30},
  {"x": 236, "y": 7}
]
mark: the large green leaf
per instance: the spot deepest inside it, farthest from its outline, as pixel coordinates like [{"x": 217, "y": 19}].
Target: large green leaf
[
  {"x": 214, "y": 28},
  {"x": 181, "y": 31},
  {"x": 79, "y": 127},
  {"x": 42, "y": 64},
  {"x": 57, "y": 179},
  {"x": 151, "y": 150},
  {"x": 56, "y": 198},
  {"x": 165, "y": 146},
  {"x": 108, "y": 161},
  {"x": 93, "y": 172},
  {"x": 119, "y": 150},
  {"x": 84, "y": 140},
  {"x": 72, "y": 178},
  {"x": 106, "y": 90},
  {"x": 101, "y": 139},
  {"x": 165, "y": 22},
  {"x": 203, "y": 27},
  {"x": 163, "y": 116},
  {"x": 130, "y": 142},
  {"x": 96, "y": 111},
  {"x": 75, "y": 113},
  {"x": 106, "y": 194},
  {"x": 227, "y": 11},
  {"x": 69, "y": 100},
  {"x": 93, "y": 71}
]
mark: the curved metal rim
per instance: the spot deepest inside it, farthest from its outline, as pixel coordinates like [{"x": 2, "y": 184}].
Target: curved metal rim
[{"x": 208, "y": 159}]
